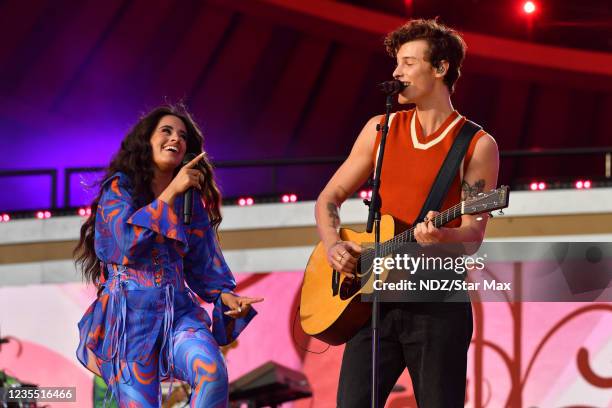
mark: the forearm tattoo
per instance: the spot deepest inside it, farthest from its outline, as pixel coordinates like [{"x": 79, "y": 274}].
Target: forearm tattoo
[
  {"x": 471, "y": 191},
  {"x": 333, "y": 214}
]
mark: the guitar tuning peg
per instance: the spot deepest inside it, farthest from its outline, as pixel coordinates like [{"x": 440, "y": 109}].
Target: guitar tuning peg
[{"x": 500, "y": 212}]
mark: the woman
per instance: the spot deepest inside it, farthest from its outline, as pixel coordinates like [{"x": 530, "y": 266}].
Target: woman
[{"x": 145, "y": 324}]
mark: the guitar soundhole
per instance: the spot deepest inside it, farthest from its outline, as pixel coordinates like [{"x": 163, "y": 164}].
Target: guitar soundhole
[{"x": 349, "y": 287}]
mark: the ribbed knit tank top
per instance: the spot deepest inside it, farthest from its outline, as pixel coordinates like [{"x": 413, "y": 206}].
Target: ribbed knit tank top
[{"x": 412, "y": 161}]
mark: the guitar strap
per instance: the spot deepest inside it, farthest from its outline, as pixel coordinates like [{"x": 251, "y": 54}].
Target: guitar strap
[{"x": 449, "y": 168}]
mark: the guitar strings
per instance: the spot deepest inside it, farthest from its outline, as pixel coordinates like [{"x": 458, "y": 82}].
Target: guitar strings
[{"x": 408, "y": 235}]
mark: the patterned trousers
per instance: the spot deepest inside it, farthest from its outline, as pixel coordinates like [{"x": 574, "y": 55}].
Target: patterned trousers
[{"x": 197, "y": 361}]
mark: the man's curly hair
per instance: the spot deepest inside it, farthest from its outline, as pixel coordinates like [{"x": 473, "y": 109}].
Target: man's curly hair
[{"x": 445, "y": 44}]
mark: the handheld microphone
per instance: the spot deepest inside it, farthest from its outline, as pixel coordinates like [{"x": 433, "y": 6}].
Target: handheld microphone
[
  {"x": 188, "y": 196},
  {"x": 392, "y": 87}
]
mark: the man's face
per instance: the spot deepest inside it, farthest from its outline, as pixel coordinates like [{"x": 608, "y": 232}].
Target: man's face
[{"x": 414, "y": 71}]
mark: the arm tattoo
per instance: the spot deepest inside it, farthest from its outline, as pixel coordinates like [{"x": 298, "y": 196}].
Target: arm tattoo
[
  {"x": 333, "y": 214},
  {"x": 471, "y": 191}
]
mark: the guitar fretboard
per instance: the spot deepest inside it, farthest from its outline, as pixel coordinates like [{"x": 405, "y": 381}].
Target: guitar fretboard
[{"x": 390, "y": 246}]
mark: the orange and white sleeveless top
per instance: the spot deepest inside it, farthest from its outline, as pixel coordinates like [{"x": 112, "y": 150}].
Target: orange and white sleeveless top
[{"x": 412, "y": 161}]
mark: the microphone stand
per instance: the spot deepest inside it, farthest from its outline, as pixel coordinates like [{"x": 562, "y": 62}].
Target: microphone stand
[{"x": 374, "y": 222}]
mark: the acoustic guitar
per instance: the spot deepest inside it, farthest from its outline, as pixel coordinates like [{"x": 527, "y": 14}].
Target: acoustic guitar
[{"x": 330, "y": 307}]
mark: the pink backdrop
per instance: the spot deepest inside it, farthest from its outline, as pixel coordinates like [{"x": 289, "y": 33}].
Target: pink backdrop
[{"x": 572, "y": 368}]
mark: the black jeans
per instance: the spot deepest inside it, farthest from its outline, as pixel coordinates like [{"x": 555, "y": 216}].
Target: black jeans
[{"x": 430, "y": 339}]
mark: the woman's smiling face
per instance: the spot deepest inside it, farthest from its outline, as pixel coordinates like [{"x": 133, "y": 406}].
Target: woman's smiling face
[{"x": 169, "y": 143}]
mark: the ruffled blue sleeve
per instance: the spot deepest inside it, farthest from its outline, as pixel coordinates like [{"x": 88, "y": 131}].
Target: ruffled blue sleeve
[
  {"x": 124, "y": 233},
  {"x": 208, "y": 275}
]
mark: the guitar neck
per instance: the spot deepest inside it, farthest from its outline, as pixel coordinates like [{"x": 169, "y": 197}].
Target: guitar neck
[{"x": 439, "y": 220}]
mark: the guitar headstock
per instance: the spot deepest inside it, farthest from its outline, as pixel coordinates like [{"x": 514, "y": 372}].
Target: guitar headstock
[{"x": 487, "y": 202}]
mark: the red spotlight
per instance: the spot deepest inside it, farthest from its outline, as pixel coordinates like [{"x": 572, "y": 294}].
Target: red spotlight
[
  {"x": 40, "y": 215},
  {"x": 244, "y": 201},
  {"x": 84, "y": 211},
  {"x": 529, "y": 7},
  {"x": 533, "y": 186},
  {"x": 289, "y": 198},
  {"x": 47, "y": 214},
  {"x": 579, "y": 184},
  {"x": 365, "y": 194},
  {"x": 541, "y": 185},
  {"x": 5, "y": 218},
  {"x": 587, "y": 184}
]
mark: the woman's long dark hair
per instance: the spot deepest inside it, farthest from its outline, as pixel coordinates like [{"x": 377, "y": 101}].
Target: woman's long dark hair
[{"x": 135, "y": 159}]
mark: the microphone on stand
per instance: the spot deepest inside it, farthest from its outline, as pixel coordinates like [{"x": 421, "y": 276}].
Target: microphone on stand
[
  {"x": 392, "y": 87},
  {"x": 188, "y": 196}
]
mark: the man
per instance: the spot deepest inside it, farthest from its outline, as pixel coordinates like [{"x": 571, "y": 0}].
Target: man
[{"x": 430, "y": 339}]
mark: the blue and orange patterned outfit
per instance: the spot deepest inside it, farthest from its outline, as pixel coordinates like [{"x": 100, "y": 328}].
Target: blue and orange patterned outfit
[{"x": 146, "y": 325}]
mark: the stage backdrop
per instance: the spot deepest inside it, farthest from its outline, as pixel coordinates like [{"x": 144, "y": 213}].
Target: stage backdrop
[{"x": 535, "y": 355}]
